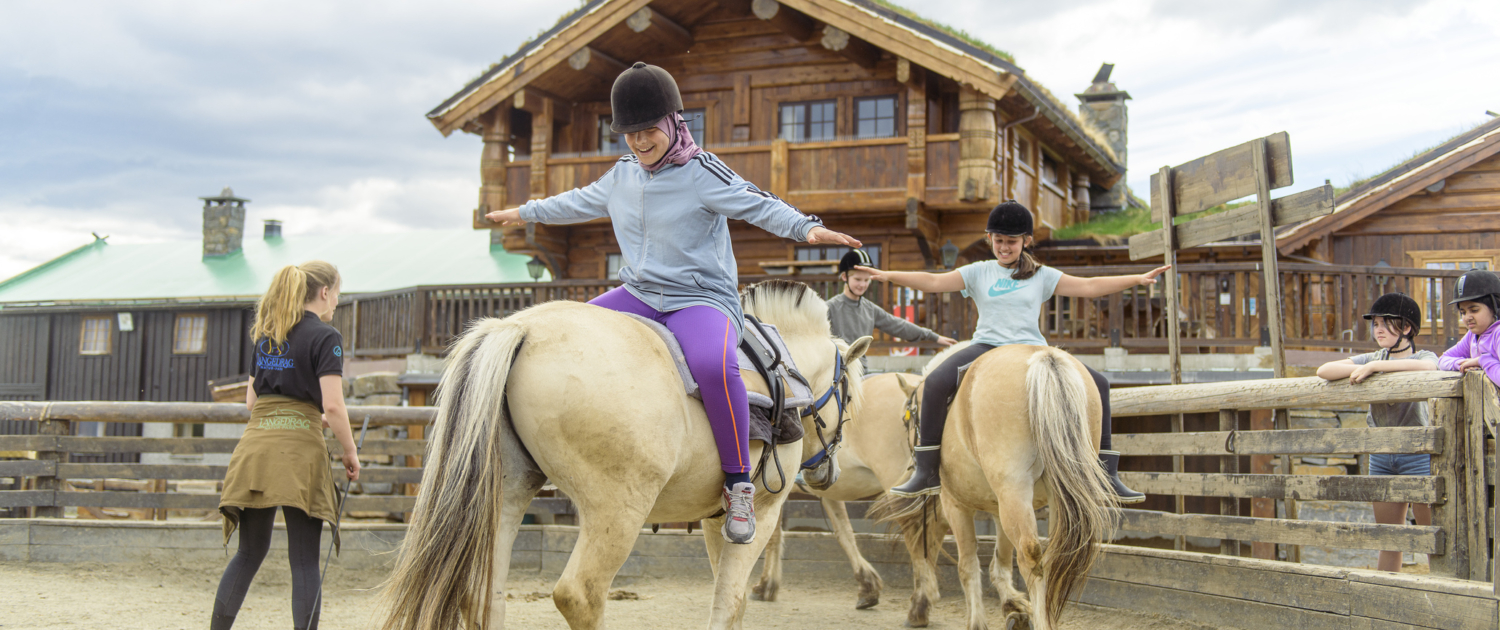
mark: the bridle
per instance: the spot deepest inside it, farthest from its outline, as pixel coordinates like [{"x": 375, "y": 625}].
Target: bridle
[{"x": 839, "y": 387}]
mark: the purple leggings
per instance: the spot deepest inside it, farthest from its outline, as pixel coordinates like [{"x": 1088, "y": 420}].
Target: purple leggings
[{"x": 708, "y": 342}]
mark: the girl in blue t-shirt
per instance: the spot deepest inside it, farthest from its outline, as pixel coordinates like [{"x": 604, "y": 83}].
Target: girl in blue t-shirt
[{"x": 1009, "y": 292}]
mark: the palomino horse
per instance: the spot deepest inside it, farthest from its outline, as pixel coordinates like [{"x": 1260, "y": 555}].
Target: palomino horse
[
  {"x": 1017, "y": 439},
  {"x": 589, "y": 399},
  {"x": 875, "y": 455}
]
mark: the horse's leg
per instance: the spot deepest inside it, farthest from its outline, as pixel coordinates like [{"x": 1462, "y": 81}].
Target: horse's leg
[
  {"x": 520, "y": 488},
  {"x": 970, "y": 575},
  {"x": 606, "y": 535},
  {"x": 732, "y": 571},
  {"x": 1017, "y": 520},
  {"x": 869, "y": 580},
  {"x": 924, "y": 560},
  {"x": 770, "y": 574},
  {"x": 1011, "y": 602}
]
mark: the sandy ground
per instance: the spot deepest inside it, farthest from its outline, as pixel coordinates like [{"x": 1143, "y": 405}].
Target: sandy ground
[{"x": 160, "y": 597}]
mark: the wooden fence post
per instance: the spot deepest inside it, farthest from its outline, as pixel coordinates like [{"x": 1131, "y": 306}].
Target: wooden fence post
[
  {"x": 1448, "y": 413},
  {"x": 1262, "y": 420},
  {"x": 1479, "y": 397},
  {"x": 54, "y": 427},
  {"x": 1229, "y": 465}
]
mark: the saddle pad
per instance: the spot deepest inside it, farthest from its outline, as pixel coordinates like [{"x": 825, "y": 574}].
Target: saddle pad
[
  {"x": 788, "y": 431},
  {"x": 798, "y": 394}
]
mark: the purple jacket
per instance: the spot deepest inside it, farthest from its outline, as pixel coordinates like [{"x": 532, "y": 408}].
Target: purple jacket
[{"x": 1486, "y": 347}]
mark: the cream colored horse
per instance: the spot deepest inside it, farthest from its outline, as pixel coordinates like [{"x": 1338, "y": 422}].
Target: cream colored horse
[
  {"x": 1023, "y": 432},
  {"x": 876, "y": 454},
  {"x": 588, "y": 399}
]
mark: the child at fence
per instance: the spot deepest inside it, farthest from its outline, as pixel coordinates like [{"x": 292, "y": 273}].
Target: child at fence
[
  {"x": 1477, "y": 296},
  {"x": 1395, "y": 320},
  {"x": 282, "y": 460},
  {"x": 1009, "y": 292},
  {"x": 669, "y": 203}
]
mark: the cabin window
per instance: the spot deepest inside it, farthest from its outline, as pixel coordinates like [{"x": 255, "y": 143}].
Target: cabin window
[
  {"x": 610, "y": 143},
  {"x": 1436, "y": 300},
  {"x": 808, "y": 121},
  {"x": 189, "y": 333},
  {"x": 834, "y": 252},
  {"x": 94, "y": 336},
  {"x": 875, "y": 117},
  {"x": 694, "y": 118},
  {"x": 1023, "y": 152},
  {"x": 612, "y": 265},
  {"x": 1049, "y": 169}
]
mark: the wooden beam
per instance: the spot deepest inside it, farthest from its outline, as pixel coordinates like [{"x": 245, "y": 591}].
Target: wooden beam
[
  {"x": 531, "y": 99},
  {"x": 852, "y": 48},
  {"x": 790, "y": 21},
  {"x": 1283, "y": 393},
  {"x": 662, "y": 28},
  {"x": 1415, "y": 539},
  {"x": 179, "y": 413},
  {"x": 903, "y": 70},
  {"x": 923, "y": 224},
  {"x": 1287, "y": 210},
  {"x": 590, "y": 61},
  {"x": 1285, "y": 441},
  {"x": 1480, "y": 410},
  {"x": 494, "y": 157},
  {"x": 1167, "y": 200},
  {"x": 1260, "y": 158},
  {"x": 779, "y": 167},
  {"x": 916, "y": 138},
  {"x": 977, "y": 171},
  {"x": 741, "y": 108},
  {"x": 1394, "y": 489},
  {"x": 1223, "y": 176}
]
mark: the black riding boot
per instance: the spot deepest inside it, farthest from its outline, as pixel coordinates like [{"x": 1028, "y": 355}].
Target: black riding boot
[
  {"x": 1111, "y": 462},
  {"x": 923, "y": 480},
  {"x": 221, "y": 622}
]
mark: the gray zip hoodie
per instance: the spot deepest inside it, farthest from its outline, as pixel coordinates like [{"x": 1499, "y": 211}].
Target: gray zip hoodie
[{"x": 673, "y": 228}]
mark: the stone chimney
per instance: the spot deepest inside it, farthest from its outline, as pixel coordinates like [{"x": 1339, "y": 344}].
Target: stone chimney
[
  {"x": 223, "y": 224},
  {"x": 1103, "y": 108}
]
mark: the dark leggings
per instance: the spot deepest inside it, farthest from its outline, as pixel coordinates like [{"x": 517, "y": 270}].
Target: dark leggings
[
  {"x": 304, "y": 535},
  {"x": 942, "y": 383}
]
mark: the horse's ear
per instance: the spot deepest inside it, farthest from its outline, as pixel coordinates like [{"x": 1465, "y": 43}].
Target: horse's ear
[
  {"x": 857, "y": 349},
  {"x": 906, "y": 389}
]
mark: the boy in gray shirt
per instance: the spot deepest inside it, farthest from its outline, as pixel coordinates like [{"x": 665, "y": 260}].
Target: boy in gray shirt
[
  {"x": 851, "y": 316},
  {"x": 1395, "y": 321}
]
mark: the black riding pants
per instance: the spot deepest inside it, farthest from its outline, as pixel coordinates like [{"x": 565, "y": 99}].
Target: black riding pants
[
  {"x": 304, "y": 534},
  {"x": 942, "y": 384}
]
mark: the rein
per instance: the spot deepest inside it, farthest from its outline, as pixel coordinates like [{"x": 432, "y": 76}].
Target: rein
[{"x": 839, "y": 386}]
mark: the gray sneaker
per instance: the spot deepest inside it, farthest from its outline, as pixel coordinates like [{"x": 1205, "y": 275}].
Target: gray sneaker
[{"x": 739, "y": 514}]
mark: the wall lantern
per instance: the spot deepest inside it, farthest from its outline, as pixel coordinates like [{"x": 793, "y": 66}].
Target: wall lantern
[
  {"x": 950, "y": 254},
  {"x": 1380, "y": 279},
  {"x": 535, "y": 267}
]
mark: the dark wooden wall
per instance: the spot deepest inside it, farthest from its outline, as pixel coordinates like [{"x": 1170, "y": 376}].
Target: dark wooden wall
[
  {"x": 1464, "y": 215},
  {"x": 23, "y": 364}
]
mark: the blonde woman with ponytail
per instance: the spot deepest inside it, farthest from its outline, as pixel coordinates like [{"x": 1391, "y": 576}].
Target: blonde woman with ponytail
[
  {"x": 1009, "y": 292},
  {"x": 296, "y": 387}
]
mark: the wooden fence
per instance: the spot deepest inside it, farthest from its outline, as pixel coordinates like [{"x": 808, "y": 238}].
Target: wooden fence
[
  {"x": 1459, "y": 488},
  {"x": 1221, "y": 309}
]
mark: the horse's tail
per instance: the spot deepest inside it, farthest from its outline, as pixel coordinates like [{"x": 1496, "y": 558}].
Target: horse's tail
[
  {"x": 443, "y": 572},
  {"x": 918, "y": 517},
  {"x": 1081, "y": 499}
]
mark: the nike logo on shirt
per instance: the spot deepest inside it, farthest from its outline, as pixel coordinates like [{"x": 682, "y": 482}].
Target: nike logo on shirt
[{"x": 1004, "y": 286}]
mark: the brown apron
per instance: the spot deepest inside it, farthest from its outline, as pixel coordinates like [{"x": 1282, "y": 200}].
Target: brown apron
[{"x": 281, "y": 460}]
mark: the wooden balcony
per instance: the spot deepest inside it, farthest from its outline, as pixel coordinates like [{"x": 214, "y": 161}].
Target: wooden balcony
[{"x": 1220, "y": 312}]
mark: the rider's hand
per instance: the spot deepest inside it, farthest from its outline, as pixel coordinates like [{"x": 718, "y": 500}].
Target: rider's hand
[
  {"x": 1150, "y": 276},
  {"x": 946, "y": 341},
  {"x": 820, "y": 235},
  {"x": 506, "y": 217},
  {"x": 1362, "y": 372},
  {"x": 1468, "y": 364}
]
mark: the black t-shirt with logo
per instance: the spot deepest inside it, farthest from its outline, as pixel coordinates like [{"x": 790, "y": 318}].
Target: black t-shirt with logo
[{"x": 313, "y": 349}]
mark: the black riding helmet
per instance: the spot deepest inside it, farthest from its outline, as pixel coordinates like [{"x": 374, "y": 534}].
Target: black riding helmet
[
  {"x": 854, "y": 257},
  {"x": 1474, "y": 286},
  {"x": 1010, "y": 218},
  {"x": 1398, "y": 306},
  {"x": 642, "y": 95}
]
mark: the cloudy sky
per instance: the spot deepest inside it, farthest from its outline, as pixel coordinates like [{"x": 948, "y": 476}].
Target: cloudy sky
[{"x": 115, "y": 116}]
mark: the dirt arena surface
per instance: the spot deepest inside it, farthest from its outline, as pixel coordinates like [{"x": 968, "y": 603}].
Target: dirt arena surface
[{"x": 162, "y": 597}]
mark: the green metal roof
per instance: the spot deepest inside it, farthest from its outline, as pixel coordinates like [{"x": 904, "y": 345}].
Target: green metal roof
[{"x": 177, "y": 271}]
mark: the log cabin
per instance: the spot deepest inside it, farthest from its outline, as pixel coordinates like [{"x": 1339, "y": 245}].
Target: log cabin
[{"x": 889, "y": 127}]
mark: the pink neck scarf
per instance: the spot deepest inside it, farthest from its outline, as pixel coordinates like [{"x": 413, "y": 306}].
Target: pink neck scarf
[{"x": 682, "y": 147}]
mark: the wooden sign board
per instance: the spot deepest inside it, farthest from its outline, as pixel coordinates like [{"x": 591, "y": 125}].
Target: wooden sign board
[{"x": 1253, "y": 168}]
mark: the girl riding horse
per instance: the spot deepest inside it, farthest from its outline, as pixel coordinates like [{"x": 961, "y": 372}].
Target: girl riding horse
[
  {"x": 669, "y": 203},
  {"x": 1009, "y": 292}
]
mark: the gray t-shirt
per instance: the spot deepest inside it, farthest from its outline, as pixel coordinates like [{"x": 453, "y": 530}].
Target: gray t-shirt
[
  {"x": 1010, "y": 310},
  {"x": 1406, "y": 414},
  {"x": 850, "y": 320}
]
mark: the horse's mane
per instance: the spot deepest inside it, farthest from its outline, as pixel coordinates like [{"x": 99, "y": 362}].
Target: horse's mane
[{"x": 791, "y": 305}]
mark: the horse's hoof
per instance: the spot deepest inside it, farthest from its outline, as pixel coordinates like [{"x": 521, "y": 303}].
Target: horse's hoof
[
  {"x": 1017, "y": 621},
  {"x": 867, "y": 601},
  {"x": 916, "y": 617},
  {"x": 763, "y": 592}
]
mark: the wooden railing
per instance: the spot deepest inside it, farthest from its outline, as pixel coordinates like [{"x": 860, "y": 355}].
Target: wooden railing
[
  {"x": 1459, "y": 488},
  {"x": 1221, "y": 309}
]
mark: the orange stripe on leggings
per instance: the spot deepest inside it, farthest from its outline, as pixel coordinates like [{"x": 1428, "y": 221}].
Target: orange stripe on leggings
[{"x": 724, "y": 363}]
